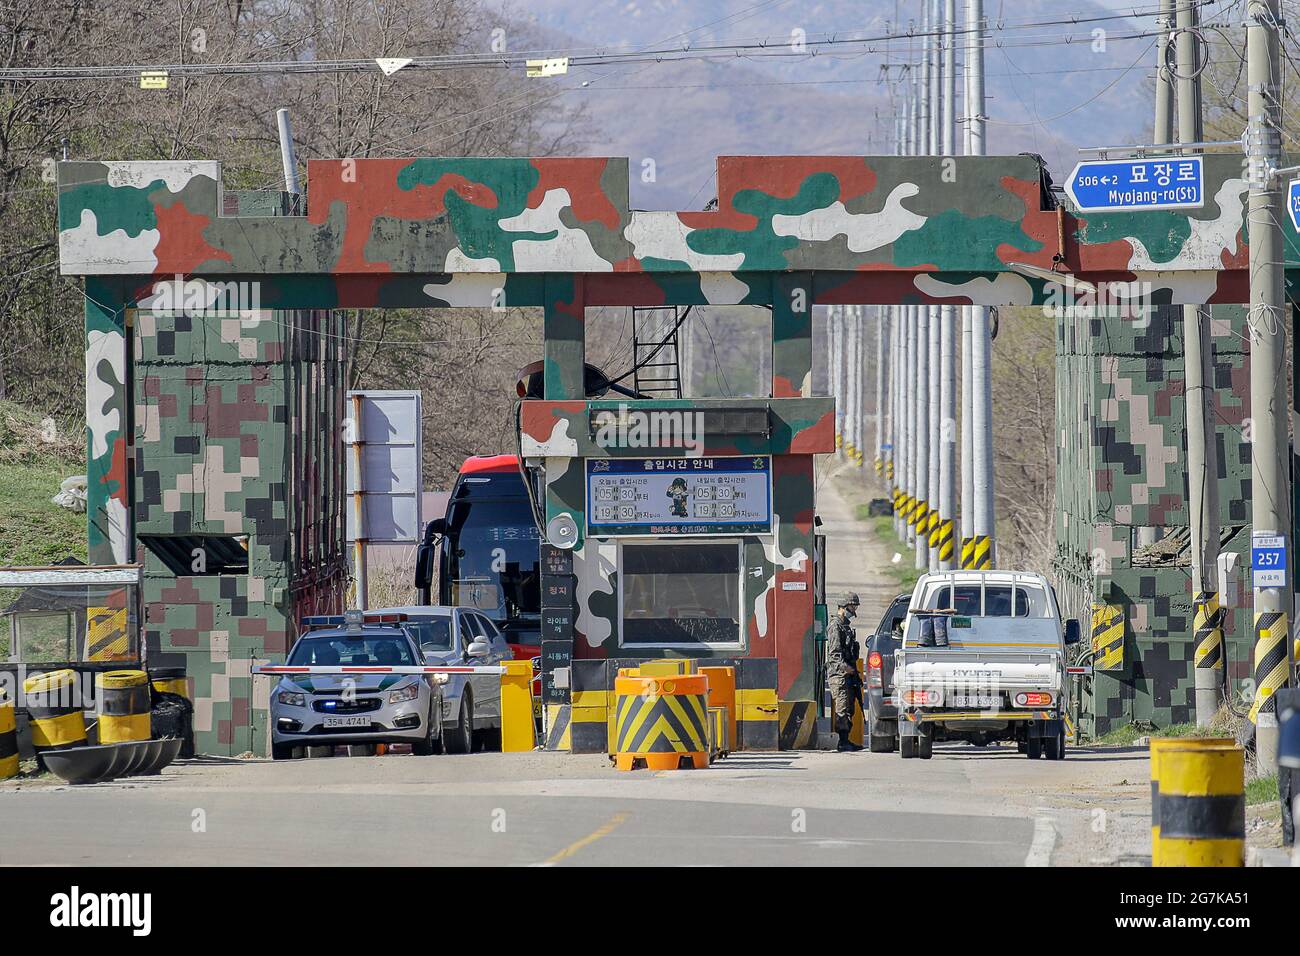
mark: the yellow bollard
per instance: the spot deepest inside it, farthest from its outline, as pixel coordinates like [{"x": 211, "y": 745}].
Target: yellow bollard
[
  {"x": 666, "y": 667},
  {"x": 54, "y": 710},
  {"x": 722, "y": 693},
  {"x": 1200, "y": 790},
  {"x": 8, "y": 739},
  {"x": 123, "y": 704},
  {"x": 1157, "y": 745},
  {"x": 518, "y": 731}
]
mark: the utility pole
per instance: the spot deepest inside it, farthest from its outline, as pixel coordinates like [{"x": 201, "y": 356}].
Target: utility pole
[
  {"x": 1202, "y": 453},
  {"x": 929, "y": 124},
  {"x": 934, "y": 317},
  {"x": 855, "y": 323},
  {"x": 1269, "y": 481},
  {"x": 981, "y": 343},
  {"x": 1164, "y": 81},
  {"x": 967, "y": 442},
  {"x": 287, "y": 161},
  {"x": 946, "y": 500},
  {"x": 881, "y": 441},
  {"x": 1164, "y": 133}
]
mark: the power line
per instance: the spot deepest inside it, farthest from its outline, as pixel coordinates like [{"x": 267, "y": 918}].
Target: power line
[{"x": 754, "y": 48}]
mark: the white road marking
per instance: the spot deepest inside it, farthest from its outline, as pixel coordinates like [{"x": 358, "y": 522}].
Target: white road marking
[{"x": 1040, "y": 851}]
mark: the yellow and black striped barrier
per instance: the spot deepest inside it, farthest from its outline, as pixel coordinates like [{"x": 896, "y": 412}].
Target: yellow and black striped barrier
[
  {"x": 54, "y": 710},
  {"x": 941, "y": 538},
  {"x": 661, "y": 723},
  {"x": 1198, "y": 802},
  {"x": 920, "y": 516},
  {"x": 976, "y": 553},
  {"x": 123, "y": 713},
  {"x": 1270, "y": 661},
  {"x": 107, "y": 636},
  {"x": 1107, "y": 637},
  {"x": 798, "y": 724},
  {"x": 589, "y": 706},
  {"x": 8, "y": 739},
  {"x": 1208, "y": 620}
]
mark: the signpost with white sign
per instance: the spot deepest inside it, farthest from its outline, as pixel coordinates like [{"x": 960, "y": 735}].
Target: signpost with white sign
[
  {"x": 1173, "y": 182},
  {"x": 1268, "y": 560}
]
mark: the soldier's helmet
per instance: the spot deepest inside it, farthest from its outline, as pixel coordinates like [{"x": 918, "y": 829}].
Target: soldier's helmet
[{"x": 850, "y": 599}]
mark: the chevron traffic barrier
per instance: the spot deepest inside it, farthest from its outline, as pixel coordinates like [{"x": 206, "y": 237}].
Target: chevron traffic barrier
[
  {"x": 661, "y": 723},
  {"x": 1108, "y": 637}
]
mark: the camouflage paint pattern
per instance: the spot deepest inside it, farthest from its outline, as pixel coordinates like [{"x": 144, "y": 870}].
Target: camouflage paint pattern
[
  {"x": 1121, "y": 465},
  {"x": 560, "y": 233}
]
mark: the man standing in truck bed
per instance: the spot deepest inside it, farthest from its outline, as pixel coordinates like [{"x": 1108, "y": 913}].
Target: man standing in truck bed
[{"x": 842, "y": 670}]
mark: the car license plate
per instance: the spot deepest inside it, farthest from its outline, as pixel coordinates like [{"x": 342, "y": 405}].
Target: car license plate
[
  {"x": 982, "y": 701},
  {"x": 346, "y": 722}
]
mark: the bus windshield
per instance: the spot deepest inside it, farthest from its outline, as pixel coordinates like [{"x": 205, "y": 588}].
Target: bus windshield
[{"x": 491, "y": 558}]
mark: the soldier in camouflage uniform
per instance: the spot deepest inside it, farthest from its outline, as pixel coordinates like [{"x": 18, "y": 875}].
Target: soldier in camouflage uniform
[{"x": 842, "y": 670}]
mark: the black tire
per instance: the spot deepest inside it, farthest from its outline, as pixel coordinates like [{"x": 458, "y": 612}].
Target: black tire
[
  {"x": 907, "y": 747},
  {"x": 461, "y": 739},
  {"x": 880, "y": 737},
  {"x": 1034, "y": 748},
  {"x": 1054, "y": 747},
  {"x": 281, "y": 751},
  {"x": 430, "y": 745},
  {"x": 925, "y": 746}
]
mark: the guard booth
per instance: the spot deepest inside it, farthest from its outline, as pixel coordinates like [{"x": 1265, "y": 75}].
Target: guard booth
[
  {"x": 680, "y": 529},
  {"x": 69, "y": 617}
]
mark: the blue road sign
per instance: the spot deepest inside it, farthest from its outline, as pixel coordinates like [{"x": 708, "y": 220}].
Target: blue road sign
[
  {"x": 1171, "y": 182},
  {"x": 1268, "y": 560},
  {"x": 1293, "y": 203}
]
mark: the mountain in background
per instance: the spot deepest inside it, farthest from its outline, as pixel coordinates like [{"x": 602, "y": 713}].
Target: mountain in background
[{"x": 1044, "y": 95}]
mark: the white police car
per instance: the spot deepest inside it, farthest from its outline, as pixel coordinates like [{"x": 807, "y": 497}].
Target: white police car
[{"x": 355, "y": 706}]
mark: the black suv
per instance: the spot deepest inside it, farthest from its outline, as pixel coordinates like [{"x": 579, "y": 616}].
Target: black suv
[{"x": 878, "y": 681}]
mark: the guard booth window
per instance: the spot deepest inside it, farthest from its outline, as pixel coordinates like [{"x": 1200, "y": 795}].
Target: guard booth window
[{"x": 680, "y": 593}]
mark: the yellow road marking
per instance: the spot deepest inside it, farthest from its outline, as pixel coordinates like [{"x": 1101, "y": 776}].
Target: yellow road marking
[{"x": 605, "y": 830}]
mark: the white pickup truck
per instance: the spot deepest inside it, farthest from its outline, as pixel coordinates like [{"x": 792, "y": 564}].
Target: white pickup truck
[{"x": 983, "y": 658}]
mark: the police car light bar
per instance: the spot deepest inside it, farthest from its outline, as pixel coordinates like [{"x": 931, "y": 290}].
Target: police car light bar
[
  {"x": 351, "y": 619},
  {"x": 395, "y": 669}
]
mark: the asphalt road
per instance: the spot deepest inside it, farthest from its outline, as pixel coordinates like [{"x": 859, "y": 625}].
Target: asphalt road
[
  {"x": 967, "y": 806},
  {"x": 964, "y": 807}
]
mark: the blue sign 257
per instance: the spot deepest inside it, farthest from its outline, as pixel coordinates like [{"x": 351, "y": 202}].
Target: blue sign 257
[
  {"x": 1268, "y": 560},
  {"x": 1293, "y": 203},
  {"x": 1174, "y": 182}
]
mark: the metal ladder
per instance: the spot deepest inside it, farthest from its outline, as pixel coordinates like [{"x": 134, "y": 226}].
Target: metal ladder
[{"x": 654, "y": 343}]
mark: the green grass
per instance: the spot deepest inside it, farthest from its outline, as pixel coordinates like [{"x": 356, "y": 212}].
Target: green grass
[
  {"x": 1128, "y": 734},
  {"x": 1261, "y": 790},
  {"x": 34, "y": 530},
  {"x": 883, "y": 528}
]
